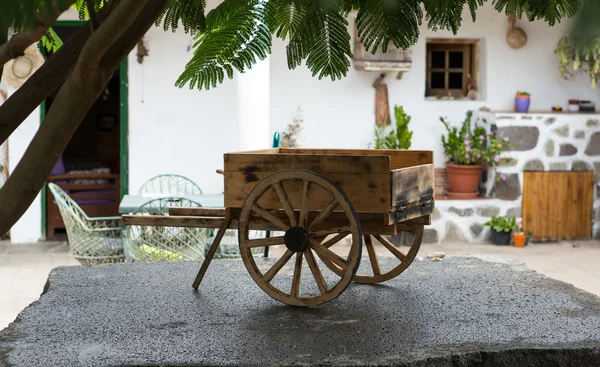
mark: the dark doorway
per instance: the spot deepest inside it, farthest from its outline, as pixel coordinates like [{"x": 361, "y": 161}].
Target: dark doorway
[{"x": 89, "y": 170}]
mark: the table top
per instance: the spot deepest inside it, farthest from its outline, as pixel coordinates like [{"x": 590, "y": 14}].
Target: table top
[{"x": 130, "y": 203}]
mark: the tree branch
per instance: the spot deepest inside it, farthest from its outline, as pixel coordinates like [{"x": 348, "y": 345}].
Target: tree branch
[
  {"x": 25, "y": 38},
  {"x": 78, "y": 94},
  {"x": 92, "y": 13},
  {"x": 3, "y": 39},
  {"x": 43, "y": 82},
  {"x": 104, "y": 37}
]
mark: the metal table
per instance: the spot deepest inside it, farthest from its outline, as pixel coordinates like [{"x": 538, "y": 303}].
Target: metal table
[{"x": 130, "y": 203}]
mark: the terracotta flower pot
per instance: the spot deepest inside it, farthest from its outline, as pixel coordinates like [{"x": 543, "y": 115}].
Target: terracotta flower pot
[
  {"x": 463, "y": 180},
  {"x": 519, "y": 239}
]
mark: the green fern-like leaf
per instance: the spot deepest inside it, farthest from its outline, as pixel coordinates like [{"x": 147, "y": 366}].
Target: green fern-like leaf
[
  {"x": 322, "y": 39},
  {"x": 190, "y": 13},
  {"x": 330, "y": 55},
  {"x": 236, "y": 37},
  {"x": 552, "y": 11},
  {"x": 473, "y": 6},
  {"x": 51, "y": 41},
  {"x": 284, "y": 16},
  {"x": 23, "y": 14},
  {"x": 444, "y": 14},
  {"x": 380, "y": 22},
  {"x": 82, "y": 9}
]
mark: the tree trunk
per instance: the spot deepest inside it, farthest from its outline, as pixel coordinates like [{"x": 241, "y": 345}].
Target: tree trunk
[
  {"x": 78, "y": 94},
  {"x": 43, "y": 82}
]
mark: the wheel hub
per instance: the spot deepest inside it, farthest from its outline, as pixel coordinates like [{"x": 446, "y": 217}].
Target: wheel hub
[{"x": 296, "y": 239}]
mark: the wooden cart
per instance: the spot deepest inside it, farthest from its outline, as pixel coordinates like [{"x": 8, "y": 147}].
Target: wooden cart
[{"x": 316, "y": 198}]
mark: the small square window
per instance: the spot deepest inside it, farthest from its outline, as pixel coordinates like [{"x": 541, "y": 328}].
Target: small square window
[{"x": 451, "y": 67}]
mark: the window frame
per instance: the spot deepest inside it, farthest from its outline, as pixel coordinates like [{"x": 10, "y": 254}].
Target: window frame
[{"x": 470, "y": 49}]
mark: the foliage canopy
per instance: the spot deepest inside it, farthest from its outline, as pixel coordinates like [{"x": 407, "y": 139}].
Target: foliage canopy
[{"x": 237, "y": 33}]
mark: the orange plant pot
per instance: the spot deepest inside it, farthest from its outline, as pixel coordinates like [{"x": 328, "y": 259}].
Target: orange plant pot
[
  {"x": 519, "y": 239},
  {"x": 463, "y": 180}
]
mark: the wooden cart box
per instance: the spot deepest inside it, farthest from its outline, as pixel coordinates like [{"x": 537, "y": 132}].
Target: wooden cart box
[
  {"x": 313, "y": 199},
  {"x": 396, "y": 182}
]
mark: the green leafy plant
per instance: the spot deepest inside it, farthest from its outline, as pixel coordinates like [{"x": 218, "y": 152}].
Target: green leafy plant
[
  {"x": 400, "y": 138},
  {"x": 468, "y": 145},
  {"x": 579, "y": 54},
  {"x": 501, "y": 224}
]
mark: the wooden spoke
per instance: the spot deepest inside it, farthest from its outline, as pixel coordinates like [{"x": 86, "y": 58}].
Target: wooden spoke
[
  {"x": 338, "y": 237},
  {"x": 328, "y": 255},
  {"x": 316, "y": 271},
  {"x": 270, "y": 217},
  {"x": 372, "y": 255},
  {"x": 263, "y": 242},
  {"x": 297, "y": 273},
  {"x": 324, "y": 214},
  {"x": 304, "y": 209},
  {"x": 277, "y": 266},
  {"x": 259, "y": 210},
  {"x": 390, "y": 246},
  {"x": 388, "y": 274},
  {"x": 325, "y": 232},
  {"x": 286, "y": 204}
]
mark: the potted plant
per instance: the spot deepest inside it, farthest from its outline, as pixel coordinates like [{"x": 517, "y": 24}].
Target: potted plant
[
  {"x": 501, "y": 229},
  {"x": 467, "y": 149},
  {"x": 522, "y": 101},
  {"x": 579, "y": 53},
  {"x": 400, "y": 138},
  {"x": 519, "y": 236},
  {"x": 528, "y": 238}
]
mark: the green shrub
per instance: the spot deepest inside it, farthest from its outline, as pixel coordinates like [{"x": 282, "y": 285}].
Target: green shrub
[
  {"x": 400, "y": 138},
  {"x": 501, "y": 224}
]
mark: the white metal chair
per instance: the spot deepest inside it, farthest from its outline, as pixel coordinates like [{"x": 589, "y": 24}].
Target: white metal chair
[
  {"x": 152, "y": 243},
  {"x": 91, "y": 240},
  {"x": 169, "y": 185}
]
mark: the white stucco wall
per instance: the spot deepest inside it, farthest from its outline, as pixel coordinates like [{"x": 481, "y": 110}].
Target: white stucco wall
[
  {"x": 29, "y": 227},
  {"x": 341, "y": 114},
  {"x": 174, "y": 130}
]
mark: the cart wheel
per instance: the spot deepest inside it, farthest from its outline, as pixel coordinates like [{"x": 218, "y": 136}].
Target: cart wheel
[
  {"x": 302, "y": 239},
  {"x": 379, "y": 275}
]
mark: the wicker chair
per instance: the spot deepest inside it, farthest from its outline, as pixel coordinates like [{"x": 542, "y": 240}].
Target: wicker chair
[
  {"x": 92, "y": 241},
  {"x": 151, "y": 243},
  {"x": 169, "y": 185}
]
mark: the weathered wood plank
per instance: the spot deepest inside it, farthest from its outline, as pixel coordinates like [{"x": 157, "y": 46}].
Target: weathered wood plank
[
  {"x": 198, "y": 212},
  {"x": 411, "y": 183},
  {"x": 371, "y": 223},
  {"x": 324, "y": 164},
  {"x": 409, "y": 186},
  {"x": 366, "y": 192},
  {"x": 398, "y": 158},
  {"x": 558, "y": 205},
  {"x": 169, "y": 221}
]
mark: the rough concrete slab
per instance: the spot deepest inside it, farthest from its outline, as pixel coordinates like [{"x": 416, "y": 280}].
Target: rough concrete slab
[{"x": 462, "y": 311}]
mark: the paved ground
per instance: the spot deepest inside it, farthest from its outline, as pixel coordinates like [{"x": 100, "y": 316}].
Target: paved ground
[
  {"x": 463, "y": 311},
  {"x": 24, "y": 268}
]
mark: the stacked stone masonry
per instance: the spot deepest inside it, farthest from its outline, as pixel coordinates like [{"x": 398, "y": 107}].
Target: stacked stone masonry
[{"x": 548, "y": 142}]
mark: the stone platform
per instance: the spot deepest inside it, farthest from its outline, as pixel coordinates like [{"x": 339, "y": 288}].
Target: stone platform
[{"x": 463, "y": 311}]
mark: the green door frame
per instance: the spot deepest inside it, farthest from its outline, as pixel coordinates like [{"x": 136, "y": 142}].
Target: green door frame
[{"x": 123, "y": 120}]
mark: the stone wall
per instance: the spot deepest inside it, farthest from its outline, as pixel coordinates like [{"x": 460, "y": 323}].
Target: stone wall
[{"x": 542, "y": 142}]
